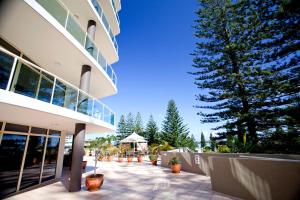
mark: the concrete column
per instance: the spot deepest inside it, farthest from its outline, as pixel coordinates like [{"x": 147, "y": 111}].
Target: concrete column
[
  {"x": 85, "y": 78},
  {"x": 77, "y": 157},
  {"x": 91, "y": 31},
  {"x": 79, "y": 135}
]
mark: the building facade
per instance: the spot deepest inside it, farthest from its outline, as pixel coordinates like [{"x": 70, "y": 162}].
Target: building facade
[{"x": 55, "y": 65}]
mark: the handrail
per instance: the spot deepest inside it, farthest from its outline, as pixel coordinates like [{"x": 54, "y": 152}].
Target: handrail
[
  {"x": 42, "y": 71},
  {"x": 63, "y": 15},
  {"x": 101, "y": 15}
]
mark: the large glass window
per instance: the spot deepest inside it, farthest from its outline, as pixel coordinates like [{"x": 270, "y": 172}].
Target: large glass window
[
  {"x": 64, "y": 96},
  {"x": 11, "y": 153},
  {"x": 50, "y": 159},
  {"x": 46, "y": 87},
  {"x": 33, "y": 161},
  {"x": 85, "y": 104},
  {"x": 25, "y": 81},
  {"x": 6, "y": 63}
]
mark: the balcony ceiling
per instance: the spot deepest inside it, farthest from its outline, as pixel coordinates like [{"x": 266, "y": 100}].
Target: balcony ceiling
[{"x": 49, "y": 47}]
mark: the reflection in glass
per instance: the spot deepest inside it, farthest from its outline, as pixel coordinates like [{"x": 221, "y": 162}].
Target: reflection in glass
[
  {"x": 55, "y": 9},
  {"x": 54, "y": 133},
  {"x": 11, "y": 153},
  {"x": 85, "y": 104},
  {"x": 25, "y": 81},
  {"x": 64, "y": 96},
  {"x": 91, "y": 47},
  {"x": 75, "y": 30},
  {"x": 50, "y": 159},
  {"x": 6, "y": 63},
  {"x": 45, "y": 89},
  {"x": 33, "y": 161},
  {"x": 98, "y": 110}
]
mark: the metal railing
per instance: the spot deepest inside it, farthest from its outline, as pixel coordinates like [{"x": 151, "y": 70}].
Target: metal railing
[
  {"x": 100, "y": 12},
  {"x": 28, "y": 79},
  {"x": 69, "y": 22}
]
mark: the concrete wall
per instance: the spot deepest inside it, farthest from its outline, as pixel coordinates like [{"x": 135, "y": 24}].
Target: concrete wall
[
  {"x": 256, "y": 178},
  {"x": 247, "y": 176},
  {"x": 204, "y": 167},
  {"x": 188, "y": 161}
]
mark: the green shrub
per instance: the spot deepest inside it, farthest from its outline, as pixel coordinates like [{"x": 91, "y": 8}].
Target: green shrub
[
  {"x": 224, "y": 149},
  {"x": 174, "y": 161}
]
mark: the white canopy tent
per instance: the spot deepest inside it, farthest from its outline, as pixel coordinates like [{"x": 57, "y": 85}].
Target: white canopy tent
[{"x": 135, "y": 139}]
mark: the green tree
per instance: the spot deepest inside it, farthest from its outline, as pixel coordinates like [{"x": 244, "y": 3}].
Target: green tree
[
  {"x": 173, "y": 130},
  {"x": 203, "y": 142},
  {"x": 138, "y": 126},
  {"x": 129, "y": 124},
  {"x": 212, "y": 142},
  {"x": 121, "y": 130},
  {"x": 151, "y": 133}
]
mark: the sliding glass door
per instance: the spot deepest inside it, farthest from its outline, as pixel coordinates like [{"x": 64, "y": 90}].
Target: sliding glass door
[{"x": 28, "y": 156}]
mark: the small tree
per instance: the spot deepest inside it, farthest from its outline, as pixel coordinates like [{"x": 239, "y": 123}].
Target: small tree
[
  {"x": 203, "y": 142},
  {"x": 121, "y": 131},
  {"x": 97, "y": 146},
  {"x": 138, "y": 126},
  {"x": 212, "y": 142},
  {"x": 151, "y": 133}
]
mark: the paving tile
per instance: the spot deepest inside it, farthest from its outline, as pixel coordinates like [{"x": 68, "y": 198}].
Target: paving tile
[{"x": 135, "y": 181}]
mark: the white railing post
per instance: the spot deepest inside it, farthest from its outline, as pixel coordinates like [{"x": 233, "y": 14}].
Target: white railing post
[
  {"x": 12, "y": 73},
  {"x": 53, "y": 89}
]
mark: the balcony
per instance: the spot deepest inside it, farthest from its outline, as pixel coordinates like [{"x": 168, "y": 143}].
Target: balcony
[
  {"x": 60, "y": 49},
  {"x": 69, "y": 22},
  {"x": 103, "y": 18},
  {"x": 24, "y": 78}
]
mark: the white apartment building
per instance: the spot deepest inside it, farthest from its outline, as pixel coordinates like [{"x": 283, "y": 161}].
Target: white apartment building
[{"x": 55, "y": 66}]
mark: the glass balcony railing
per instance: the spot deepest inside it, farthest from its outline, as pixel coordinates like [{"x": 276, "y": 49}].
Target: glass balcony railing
[
  {"x": 69, "y": 22},
  {"x": 32, "y": 81},
  {"x": 105, "y": 22},
  {"x": 116, "y": 13}
]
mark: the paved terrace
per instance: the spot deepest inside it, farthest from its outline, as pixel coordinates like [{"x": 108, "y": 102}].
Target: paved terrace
[{"x": 133, "y": 181}]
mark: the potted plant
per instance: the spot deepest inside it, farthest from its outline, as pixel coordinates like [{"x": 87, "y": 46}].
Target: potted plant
[
  {"x": 140, "y": 156},
  {"x": 112, "y": 151},
  {"x": 153, "y": 159},
  {"x": 129, "y": 156},
  {"x": 175, "y": 165},
  {"x": 121, "y": 152},
  {"x": 94, "y": 181}
]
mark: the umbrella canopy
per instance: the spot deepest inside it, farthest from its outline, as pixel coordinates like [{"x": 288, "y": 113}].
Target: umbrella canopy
[{"x": 133, "y": 138}]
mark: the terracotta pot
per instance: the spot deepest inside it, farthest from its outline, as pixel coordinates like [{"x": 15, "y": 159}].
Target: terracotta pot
[
  {"x": 129, "y": 159},
  {"x": 140, "y": 158},
  {"x": 176, "y": 168},
  {"x": 84, "y": 164},
  {"x": 109, "y": 158},
  {"x": 120, "y": 159},
  {"x": 154, "y": 162},
  {"x": 94, "y": 182}
]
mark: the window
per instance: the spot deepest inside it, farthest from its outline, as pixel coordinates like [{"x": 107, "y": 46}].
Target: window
[
  {"x": 16, "y": 127},
  {"x": 33, "y": 161},
  {"x": 11, "y": 154},
  {"x": 64, "y": 96},
  {"x": 50, "y": 159},
  {"x": 6, "y": 63}
]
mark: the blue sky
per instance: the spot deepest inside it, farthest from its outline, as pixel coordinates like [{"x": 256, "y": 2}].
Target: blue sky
[{"x": 155, "y": 44}]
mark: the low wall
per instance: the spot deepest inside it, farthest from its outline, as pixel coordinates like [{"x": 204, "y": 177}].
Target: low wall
[
  {"x": 188, "y": 161},
  {"x": 204, "y": 167},
  {"x": 256, "y": 178},
  {"x": 247, "y": 176}
]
